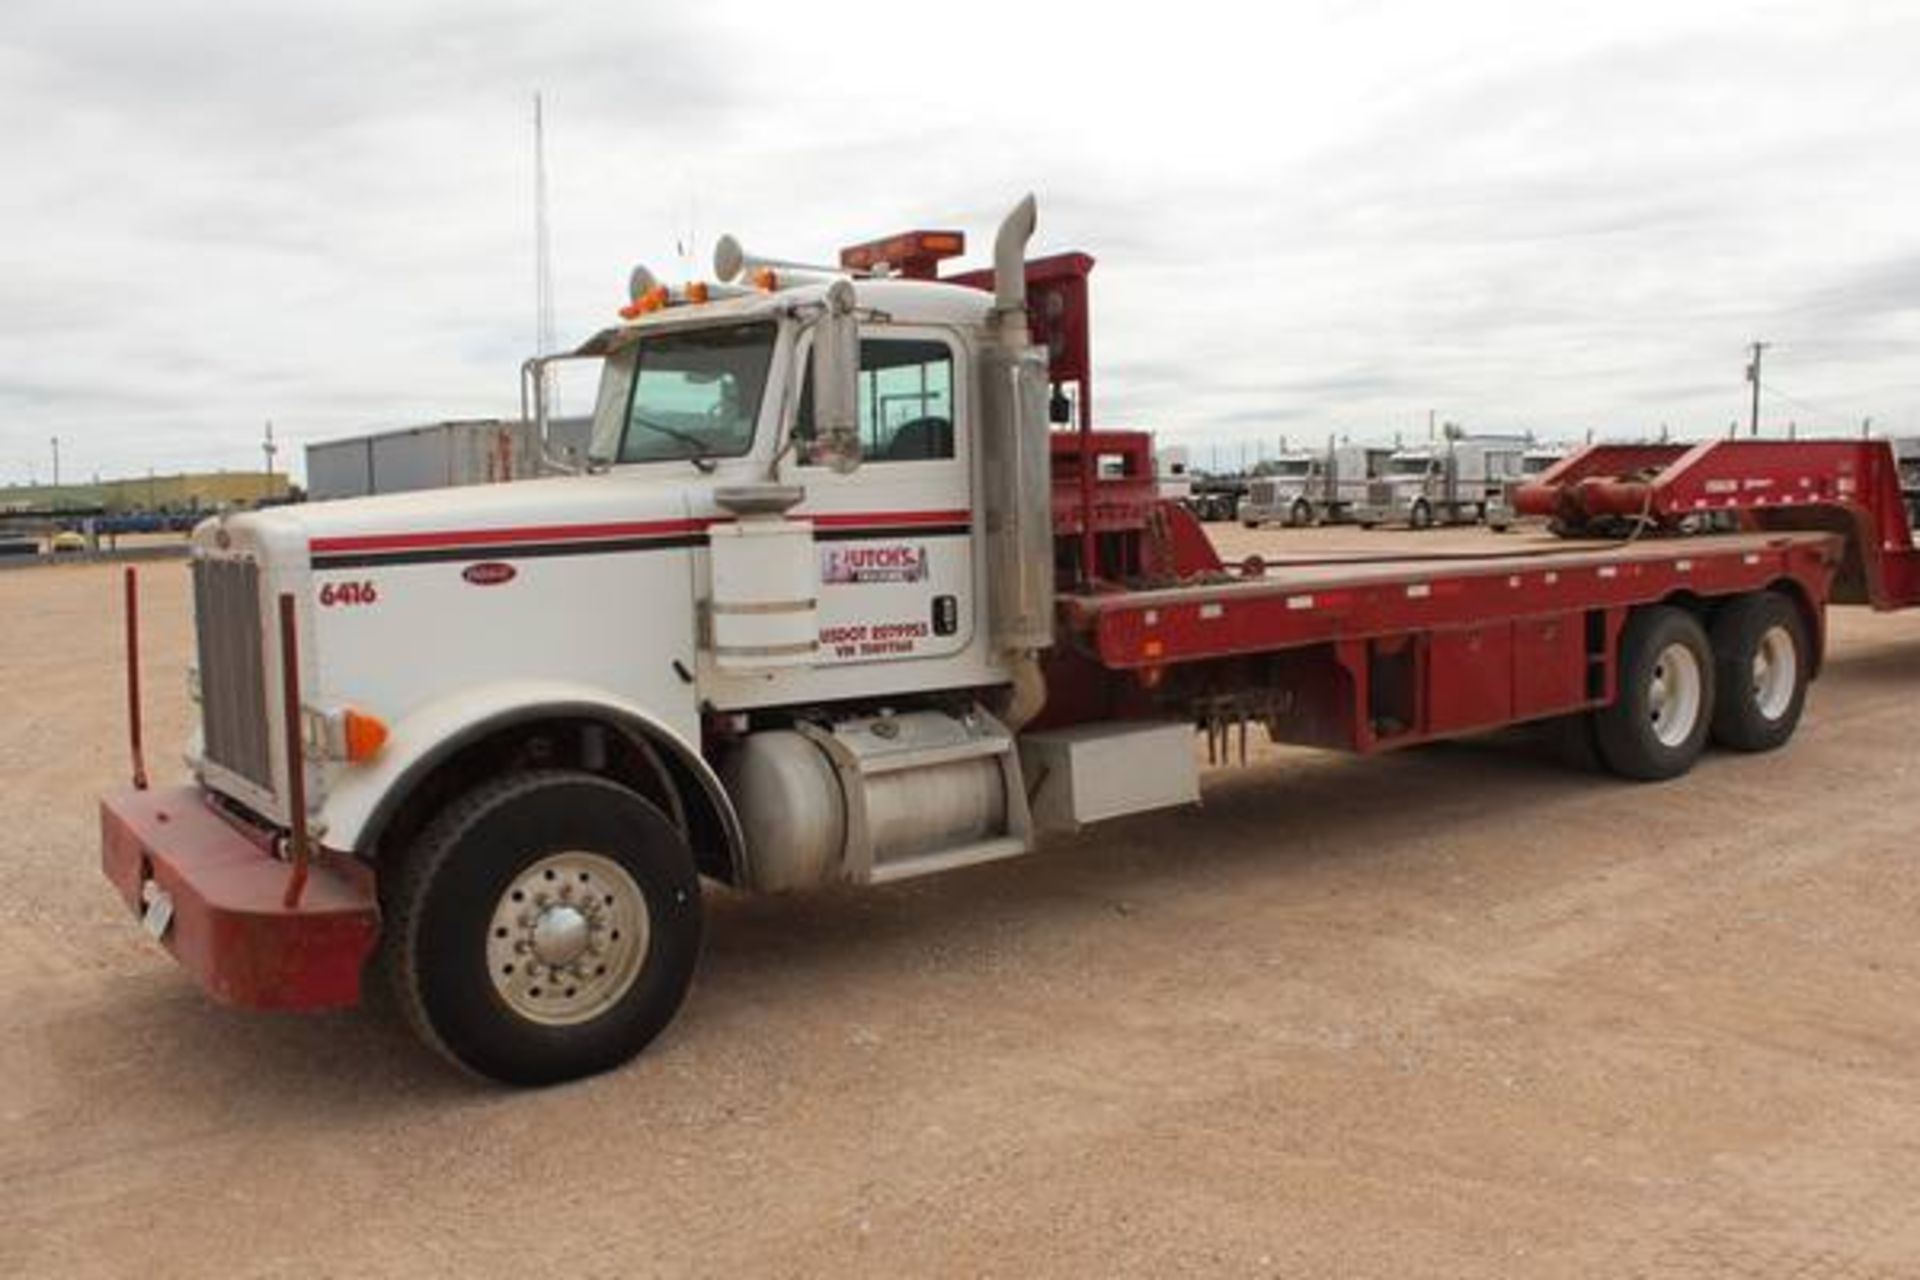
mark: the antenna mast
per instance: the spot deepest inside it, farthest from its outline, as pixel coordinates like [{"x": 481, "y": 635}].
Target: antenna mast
[{"x": 543, "y": 338}]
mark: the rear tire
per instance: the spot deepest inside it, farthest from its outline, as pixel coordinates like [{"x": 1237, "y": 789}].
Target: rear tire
[
  {"x": 1420, "y": 515},
  {"x": 1300, "y": 515},
  {"x": 1761, "y": 662},
  {"x": 1662, "y": 710},
  {"x": 544, "y": 927}
]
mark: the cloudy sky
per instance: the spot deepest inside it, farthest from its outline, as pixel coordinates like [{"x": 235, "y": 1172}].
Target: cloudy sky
[{"x": 1333, "y": 217}]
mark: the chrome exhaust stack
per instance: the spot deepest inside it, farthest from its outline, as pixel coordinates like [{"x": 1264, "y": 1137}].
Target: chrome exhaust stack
[{"x": 1018, "y": 487}]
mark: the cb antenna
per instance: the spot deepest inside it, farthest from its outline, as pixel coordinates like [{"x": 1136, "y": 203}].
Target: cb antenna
[{"x": 543, "y": 335}]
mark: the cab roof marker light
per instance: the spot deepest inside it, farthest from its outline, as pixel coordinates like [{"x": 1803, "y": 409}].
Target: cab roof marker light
[
  {"x": 696, "y": 292},
  {"x": 652, "y": 300}
]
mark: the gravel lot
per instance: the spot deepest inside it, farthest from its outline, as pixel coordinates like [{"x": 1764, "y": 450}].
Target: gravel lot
[{"x": 1453, "y": 1012}]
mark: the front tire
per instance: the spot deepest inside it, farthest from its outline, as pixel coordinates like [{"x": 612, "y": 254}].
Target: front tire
[
  {"x": 1420, "y": 515},
  {"x": 1761, "y": 664},
  {"x": 1657, "y": 724},
  {"x": 544, "y": 927}
]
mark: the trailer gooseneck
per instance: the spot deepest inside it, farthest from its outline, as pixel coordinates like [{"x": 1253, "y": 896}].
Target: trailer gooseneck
[{"x": 835, "y": 605}]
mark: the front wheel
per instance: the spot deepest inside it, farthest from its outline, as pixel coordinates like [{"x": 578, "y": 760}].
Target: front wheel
[
  {"x": 1657, "y": 725},
  {"x": 1420, "y": 515},
  {"x": 1761, "y": 662},
  {"x": 544, "y": 927}
]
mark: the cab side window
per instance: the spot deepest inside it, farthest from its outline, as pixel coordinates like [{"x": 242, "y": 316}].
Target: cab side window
[{"x": 906, "y": 402}]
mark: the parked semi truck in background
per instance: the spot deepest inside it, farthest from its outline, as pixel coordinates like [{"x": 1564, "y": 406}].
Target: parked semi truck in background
[
  {"x": 1308, "y": 487},
  {"x": 1460, "y": 480},
  {"x": 834, "y": 605}
]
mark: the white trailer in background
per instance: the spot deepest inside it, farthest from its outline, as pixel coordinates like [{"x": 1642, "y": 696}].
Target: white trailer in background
[
  {"x": 1170, "y": 467},
  {"x": 443, "y": 455}
]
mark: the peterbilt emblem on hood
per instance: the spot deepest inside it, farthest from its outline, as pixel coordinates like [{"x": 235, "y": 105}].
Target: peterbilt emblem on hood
[{"x": 489, "y": 573}]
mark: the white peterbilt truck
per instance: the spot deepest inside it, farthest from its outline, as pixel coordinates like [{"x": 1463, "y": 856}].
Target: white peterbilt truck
[
  {"x": 1303, "y": 488},
  {"x": 834, "y": 604},
  {"x": 1464, "y": 480}
]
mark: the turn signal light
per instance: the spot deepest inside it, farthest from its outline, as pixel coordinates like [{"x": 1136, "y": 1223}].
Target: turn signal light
[{"x": 364, "y": 735}]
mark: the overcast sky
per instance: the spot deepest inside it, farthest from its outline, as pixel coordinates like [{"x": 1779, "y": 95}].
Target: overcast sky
[{"x": 1332, "y": 217}]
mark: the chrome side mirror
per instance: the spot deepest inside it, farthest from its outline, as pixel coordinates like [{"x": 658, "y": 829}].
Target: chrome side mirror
[{"x": 836, "y": 375}]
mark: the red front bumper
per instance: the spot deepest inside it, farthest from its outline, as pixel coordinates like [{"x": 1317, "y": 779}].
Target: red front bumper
[{"x": 229, "y": 927}]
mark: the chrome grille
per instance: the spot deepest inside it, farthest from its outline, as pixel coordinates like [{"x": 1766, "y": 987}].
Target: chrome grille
[
  {"x": 233, "y": 678},
  {"x": 1261, "y": 492}
]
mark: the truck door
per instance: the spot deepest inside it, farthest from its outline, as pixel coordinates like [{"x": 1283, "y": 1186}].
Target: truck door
[{"x": 895, "y": 538}]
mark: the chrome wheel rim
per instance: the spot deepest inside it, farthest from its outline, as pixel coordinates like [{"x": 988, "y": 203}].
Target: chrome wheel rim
[
  {"x": 1674, "y": 695},
  {"x": 1776, "y": 671},
  {"x": 568, "y": 938}
]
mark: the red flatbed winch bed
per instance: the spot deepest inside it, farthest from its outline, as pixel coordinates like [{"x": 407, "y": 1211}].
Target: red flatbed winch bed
[
  {"x": 1304, "y": 602},
  {"x": 1366, "y": 652}
]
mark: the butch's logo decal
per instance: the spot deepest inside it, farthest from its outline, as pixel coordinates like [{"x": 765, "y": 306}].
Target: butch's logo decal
[
  {"x": 489, "y": 573},
  {"x": 887, "y": 562}
]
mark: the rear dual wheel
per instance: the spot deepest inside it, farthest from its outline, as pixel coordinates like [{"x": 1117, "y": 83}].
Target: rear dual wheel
[
  {"x": 1762, "y": 661},
  {"x": 1662, "y": 709},
  {"x": 1744, "y": 685}
]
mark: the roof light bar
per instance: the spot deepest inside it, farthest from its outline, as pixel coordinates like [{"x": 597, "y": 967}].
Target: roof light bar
[{"x": 914, "y": 254}]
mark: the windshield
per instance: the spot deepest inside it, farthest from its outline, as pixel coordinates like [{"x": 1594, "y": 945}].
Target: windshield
[
  {"x": 694, "y": 393},
  {"x": 1417, "y": 466},
  {"x": 1535, "y": 463},
  {"x": 1290, "y": 467}
]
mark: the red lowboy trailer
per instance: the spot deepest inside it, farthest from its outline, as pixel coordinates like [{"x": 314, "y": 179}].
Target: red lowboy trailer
[{"x": 1846, "y": 487}]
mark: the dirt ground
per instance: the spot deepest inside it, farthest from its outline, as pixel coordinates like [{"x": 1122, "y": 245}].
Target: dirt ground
[{"x": 1454, "y": 1012}]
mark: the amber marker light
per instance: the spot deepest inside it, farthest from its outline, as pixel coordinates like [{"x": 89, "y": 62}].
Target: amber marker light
[{"x": 365, "y": 735}]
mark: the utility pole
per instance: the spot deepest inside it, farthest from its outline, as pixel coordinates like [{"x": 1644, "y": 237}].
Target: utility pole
[
  {"x": 56, "y": 462},
  {"x": 1753, "y": 376},
  {"x": 267, "y": 449}
]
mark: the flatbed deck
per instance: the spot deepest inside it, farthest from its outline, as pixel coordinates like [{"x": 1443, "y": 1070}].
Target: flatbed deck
[
  {"x": 1296, "y": 602},
  {"x": 1388, "y": 644}
]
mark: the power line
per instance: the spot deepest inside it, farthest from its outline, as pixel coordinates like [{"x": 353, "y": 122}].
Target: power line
[{"x": 1810, "y": 408}]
